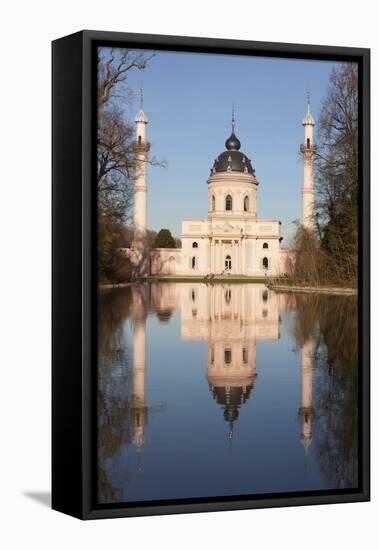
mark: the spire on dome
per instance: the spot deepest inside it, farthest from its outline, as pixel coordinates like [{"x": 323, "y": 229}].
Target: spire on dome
[
  {"x": 233, "y": 143},
  {"x": 308, "y": 119}
]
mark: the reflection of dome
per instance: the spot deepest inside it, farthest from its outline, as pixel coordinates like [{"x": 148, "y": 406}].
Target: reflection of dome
[
  {"x": 164, "y": 315},
  {"x": 231, "y": 398},
  {"x": 232, "y": 160}
]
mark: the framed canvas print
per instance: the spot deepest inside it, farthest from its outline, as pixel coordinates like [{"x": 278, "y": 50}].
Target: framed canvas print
[{"x": 210, "y": 274}]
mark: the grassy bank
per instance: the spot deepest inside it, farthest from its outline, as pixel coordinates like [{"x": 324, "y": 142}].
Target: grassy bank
[{"x": 313, "y": 289}]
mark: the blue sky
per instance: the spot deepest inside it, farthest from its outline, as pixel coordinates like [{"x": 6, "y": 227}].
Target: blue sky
[{"x": 188, "y": 99}]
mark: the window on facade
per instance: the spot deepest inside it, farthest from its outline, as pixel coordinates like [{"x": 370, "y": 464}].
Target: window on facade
[
  {"x": 212, "y": 355},
  {"x": 213, "y": 203},
  {"x": 265, "y": 263},
  {"x": 228, "y": 263},
  {"x": 245, "y": 355},
  {"x": 265, "y": 296},
  {"x": 265, "y": 245},
  {"x": 228, "y": 202},
  {"x": 193, "y": 295},
  {"x": 228, "y": 356},
  {"x": 139, "y": 140},
  {"x": 246, "y": 204},
  {"x": 194, "y": 262},
  {"x": 308, "y": 143},
  {"x": 195, "y": 245}
]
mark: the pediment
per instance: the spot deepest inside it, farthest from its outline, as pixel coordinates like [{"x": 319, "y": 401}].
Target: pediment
[{"x": 227, "y": 227}]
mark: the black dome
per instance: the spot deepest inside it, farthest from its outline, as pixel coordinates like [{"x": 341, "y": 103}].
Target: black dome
[
  {"x": 233, "y": 143},
  {"x": 232, "y": 160}
]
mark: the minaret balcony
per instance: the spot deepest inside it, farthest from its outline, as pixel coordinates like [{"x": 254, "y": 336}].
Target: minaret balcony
[
  {"x": 308, "y": 148},
  {"x": 141, "y": 146}
]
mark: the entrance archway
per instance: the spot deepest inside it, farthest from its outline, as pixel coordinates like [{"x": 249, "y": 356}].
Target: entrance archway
[
  {"x": 228, "y": 263},
  {"x": 171, "y": 265}
]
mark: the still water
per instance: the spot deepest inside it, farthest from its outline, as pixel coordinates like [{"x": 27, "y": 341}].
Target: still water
[{"x": 224, "y": 389}]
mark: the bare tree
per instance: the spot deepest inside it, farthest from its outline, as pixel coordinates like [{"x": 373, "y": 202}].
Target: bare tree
[
  {"x": 337, "y": 168},
  {"x": 115, "y": 154}
]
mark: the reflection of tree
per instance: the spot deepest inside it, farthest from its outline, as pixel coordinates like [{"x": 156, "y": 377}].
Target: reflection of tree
[
  {"x": 114, "y": 407},
  {"x": 332, "y": 321}
]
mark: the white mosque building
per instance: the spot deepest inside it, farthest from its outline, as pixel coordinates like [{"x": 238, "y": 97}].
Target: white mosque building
[{"x": 231, "y": 240}]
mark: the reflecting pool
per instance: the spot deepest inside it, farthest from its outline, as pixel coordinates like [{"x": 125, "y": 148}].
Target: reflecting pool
[{"x": 224, "y": 389}]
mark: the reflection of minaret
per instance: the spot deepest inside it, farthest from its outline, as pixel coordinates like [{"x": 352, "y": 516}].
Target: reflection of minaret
[
  {"x": 306, "y": 410},
  {"x": 139, "y": 362},
  {"x": 140, "y": 297}
]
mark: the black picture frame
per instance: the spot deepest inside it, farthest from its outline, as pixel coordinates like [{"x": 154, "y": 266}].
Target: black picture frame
[{"x": 74, "y": 273}]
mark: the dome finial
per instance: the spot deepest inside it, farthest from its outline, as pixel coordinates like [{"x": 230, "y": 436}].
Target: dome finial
[{"x": 233, "y": 120}]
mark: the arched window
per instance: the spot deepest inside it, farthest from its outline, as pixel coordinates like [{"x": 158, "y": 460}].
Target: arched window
[
  {"x": 228, "y": 356},
  {"x": 194, "y": 262},
  {"x": 213, "y": 203},
  {"x": 265, "y": 263},
  {"x": 265, "y": 245},
  {"x": 308, "y": 143},
  {"x": 195, "y": 245},
  {"x": 265, "y": 296},
  {"x": 246, "y": 204},
  {"x": 212, "y": 355},
  {"x": 193, "y": 295},
  {"x": 245, "y": 355},
  {"x": 139, "y": 140},
  {"x": 228, "y": 202},
  {"x": 228, "y": 263}
]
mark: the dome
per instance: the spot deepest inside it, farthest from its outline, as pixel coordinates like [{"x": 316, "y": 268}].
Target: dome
[
  {"x": 233, "y": 143},
  {"x": 232, "y": 160}
]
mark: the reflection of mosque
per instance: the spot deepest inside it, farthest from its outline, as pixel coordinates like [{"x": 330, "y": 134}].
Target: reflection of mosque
[{"x": 231, "y": 318}]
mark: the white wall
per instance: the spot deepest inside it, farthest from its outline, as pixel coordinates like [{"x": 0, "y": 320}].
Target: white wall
[{"x": 27, "y": 28}]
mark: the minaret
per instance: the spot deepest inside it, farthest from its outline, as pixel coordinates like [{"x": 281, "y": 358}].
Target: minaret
[
  {"x": 306, "y": 409},
  {"x": 141, "y": 148},
  {"x": 308, "y": 149}
]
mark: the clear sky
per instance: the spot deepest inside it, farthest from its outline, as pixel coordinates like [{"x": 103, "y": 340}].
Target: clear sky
[{"x": 188, "y": 99}]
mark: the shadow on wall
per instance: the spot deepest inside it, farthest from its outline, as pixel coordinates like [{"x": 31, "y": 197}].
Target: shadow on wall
[{"x": 41, "y": 497}]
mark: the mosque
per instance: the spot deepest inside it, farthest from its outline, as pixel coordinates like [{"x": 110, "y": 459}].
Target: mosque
[{"x": 231, "y": 240}]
